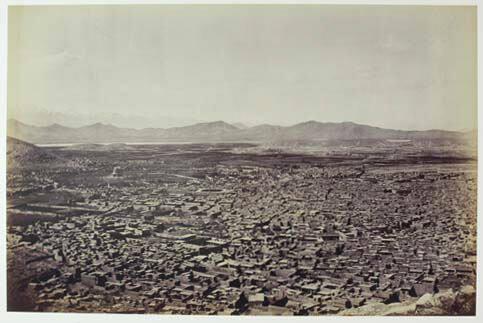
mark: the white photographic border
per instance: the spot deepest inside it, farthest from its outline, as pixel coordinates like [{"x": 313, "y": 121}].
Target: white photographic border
[{"x": 8, "y": 317}]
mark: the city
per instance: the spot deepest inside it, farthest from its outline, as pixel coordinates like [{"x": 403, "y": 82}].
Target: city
[{"x": 239, "y": 228}]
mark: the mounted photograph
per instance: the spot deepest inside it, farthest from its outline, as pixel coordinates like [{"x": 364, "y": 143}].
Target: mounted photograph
[{"x": 216, "y": 159}]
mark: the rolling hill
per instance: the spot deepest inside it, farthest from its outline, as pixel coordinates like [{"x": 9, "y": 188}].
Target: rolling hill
[{"x": 20, "y": 152}]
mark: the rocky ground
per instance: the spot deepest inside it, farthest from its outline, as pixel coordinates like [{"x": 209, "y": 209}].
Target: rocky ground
[{"x": 449, "y": 302}]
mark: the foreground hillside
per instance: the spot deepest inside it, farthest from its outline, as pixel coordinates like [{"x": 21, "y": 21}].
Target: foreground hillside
[
  {"x": 20, "y": 152},
  {"x": 462, "y": 302}
]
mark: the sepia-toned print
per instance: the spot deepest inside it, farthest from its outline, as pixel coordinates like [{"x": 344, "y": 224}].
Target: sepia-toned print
[{"x": 242, "y": 159}]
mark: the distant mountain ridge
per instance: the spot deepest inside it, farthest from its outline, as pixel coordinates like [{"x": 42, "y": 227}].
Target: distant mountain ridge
[
  {"x": 218, "y": 131},
  {"x": 44, "y": 117}
]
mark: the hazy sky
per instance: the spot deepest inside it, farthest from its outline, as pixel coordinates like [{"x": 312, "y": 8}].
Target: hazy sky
[{"x": 406, "y": 67}]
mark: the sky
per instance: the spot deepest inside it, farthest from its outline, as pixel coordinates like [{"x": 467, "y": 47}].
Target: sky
[{"x": 400, "y": 67}]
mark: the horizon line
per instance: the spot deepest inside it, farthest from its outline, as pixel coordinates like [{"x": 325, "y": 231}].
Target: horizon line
[{"x": 234, "y": 124}]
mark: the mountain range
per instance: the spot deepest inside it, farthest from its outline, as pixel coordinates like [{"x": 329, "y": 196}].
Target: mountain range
[
  {"x": 218, "y": 131},
  {"x": 44, "y": 117}
]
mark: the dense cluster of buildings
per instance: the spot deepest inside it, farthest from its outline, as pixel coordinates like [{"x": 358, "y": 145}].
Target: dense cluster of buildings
[{"x": 250, "y": 240}]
